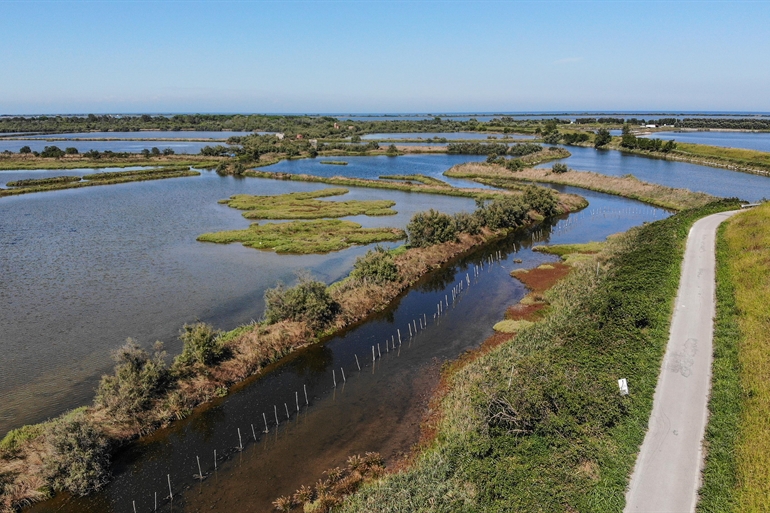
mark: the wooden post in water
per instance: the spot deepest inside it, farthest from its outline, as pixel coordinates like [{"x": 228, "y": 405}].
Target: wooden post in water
[
  {"x": 306, "y": 401},
  {"x": 287, "y": 411},
  {"x": 134, "y": 503},
  {"x": 200, "y": 472},
  {"x": 334, "y": 375},
  {"x": 343, "y": 375},
  {"x": 156, "y": 502},
  {"x": 410, "y": 329},
  {"x": 415, "y": 326},
  {"x": 215, "y": 460},
  {"x": 296, "y": 400},
  {"x": 253, "y": 432},
  {"x": 387, "y": 346},
  {"x": 240, "y": 440},
  {"x": 425, "y": 318},
  {"x": 379, "y": 353},
  {"x": 170, "y": 493},
  {"x": 357, "y": 364},
  {"x": 399, "y": 336},
  {"x": 275, "y": 411},
  {"x": 264, "y": 417},
  {"x": 373, "y": 357}
]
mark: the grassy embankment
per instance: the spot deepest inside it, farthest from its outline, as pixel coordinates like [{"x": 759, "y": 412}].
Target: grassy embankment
[
  {"x": 68, "y": 182},
  {"x": 626, "y": 186},
  {"x": 538, "y": 424},
  {"x": 735, "y": 478},
  {"x": 334, "y": 162},
  {"x": 321, "y": 235},
  {"x": 16, "y": 161},
  {"x": 73, "y": 452}
]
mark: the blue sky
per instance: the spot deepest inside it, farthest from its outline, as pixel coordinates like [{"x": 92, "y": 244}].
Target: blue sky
[{"x": 382, "y": 56}]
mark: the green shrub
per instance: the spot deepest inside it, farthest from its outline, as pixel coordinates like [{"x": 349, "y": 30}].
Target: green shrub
[
  {"x": 559, "y": 168},
  {"x": 79, "y": 460},
  {"x": 504, "y": 212},
  {"x": 200, "y": 345},
  {"x": 514, "y": 164},
  {"x": 467, "y": 223},
  {"x": 308, "y": 301},
  {"x": 429, "y": 228},
  {"x": 137, "y": 380},
  {"x": 15, "y": 438},
  {"x": 540, "y": 200},
  {"x": 377, "y": 265}
]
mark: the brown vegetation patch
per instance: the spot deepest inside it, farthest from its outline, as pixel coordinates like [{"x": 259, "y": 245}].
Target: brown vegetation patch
[
  {"x": 525, "y": 312},
  {"x": 542, "y": 278}
]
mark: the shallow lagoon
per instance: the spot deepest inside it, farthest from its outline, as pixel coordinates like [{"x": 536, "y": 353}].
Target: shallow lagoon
[
  {"x": 85, "y": 268},
  {"x": 712, "y": 180}
]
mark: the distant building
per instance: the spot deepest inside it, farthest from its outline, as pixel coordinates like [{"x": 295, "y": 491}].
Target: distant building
[
  {"x": 299, "y": 136},
  {"x": 351, "y": 127},
  {"x": 650, "y": 126},
  {"x": 313, "y": 143},
  {"x": 279, "y": 135},
  {"x": 336, "y": 126}
]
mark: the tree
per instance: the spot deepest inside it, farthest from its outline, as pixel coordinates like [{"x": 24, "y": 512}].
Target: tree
[
  {"x": 559, "y": 168},
  {"x": 25, "y": 149},
  {"x": 71, "y": 151},
  {"x": 168, "y": 151},
  {"x": 392, "y": 150},
  {"x": 377, "y": 266},
  {"x": 155, "y": 151},
  {"x": 602, "y": 138},
  {"x": 52, "y": 152}
]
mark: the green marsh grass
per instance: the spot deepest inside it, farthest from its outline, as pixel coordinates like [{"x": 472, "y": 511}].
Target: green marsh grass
[
  {"x": 305, "y": 205},
  {"x": 303, "y": 237},
  {"x": 737, "y": 438}
]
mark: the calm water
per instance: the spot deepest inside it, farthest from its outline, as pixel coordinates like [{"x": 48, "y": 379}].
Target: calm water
[
  {"x": 712, "y": 180},
  {"x": 759, "y": 141},
  {"x": 84, "y": 269},
  {"x": 376, "y": 409},
  {"x": 182, "y": 147}
]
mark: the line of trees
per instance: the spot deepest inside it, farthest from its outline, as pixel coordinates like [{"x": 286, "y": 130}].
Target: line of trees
[{"x": 630, "y": 141}]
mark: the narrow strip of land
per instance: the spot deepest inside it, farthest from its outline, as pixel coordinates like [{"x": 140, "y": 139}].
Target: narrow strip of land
[{"x": 666, "y": 477}]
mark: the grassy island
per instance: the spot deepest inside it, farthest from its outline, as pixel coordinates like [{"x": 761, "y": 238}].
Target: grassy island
[
  {"x": 626, "y": 186},
  {"x": 74, "y": 182},
  {"x": 304, "y": 205},
  {"x": 300, "y": 237}
]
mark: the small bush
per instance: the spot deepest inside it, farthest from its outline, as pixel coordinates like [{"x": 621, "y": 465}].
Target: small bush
[
  {"x": 377, "y": 266},
  {"x": 79, "y": 460},
  {"x": 559, "y": 168},
  {"x": 504, "y": 212},
  {"x": 467, "y": 223},
  {"x": 540, "y": 200},
  {"x": 514, "y": 164},
  {"x": 15, "y": 438},
  {"x": 137, "y": 380},
  {"x": 200, "y": 345},
  {"x": 429, "y": 228},
  {"x": 308, "y": 301}
]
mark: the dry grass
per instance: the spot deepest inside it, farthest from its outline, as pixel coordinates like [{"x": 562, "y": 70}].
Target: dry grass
[
  {"x": 627, "y": 186},
  {"x": 748, "y": 240}
]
